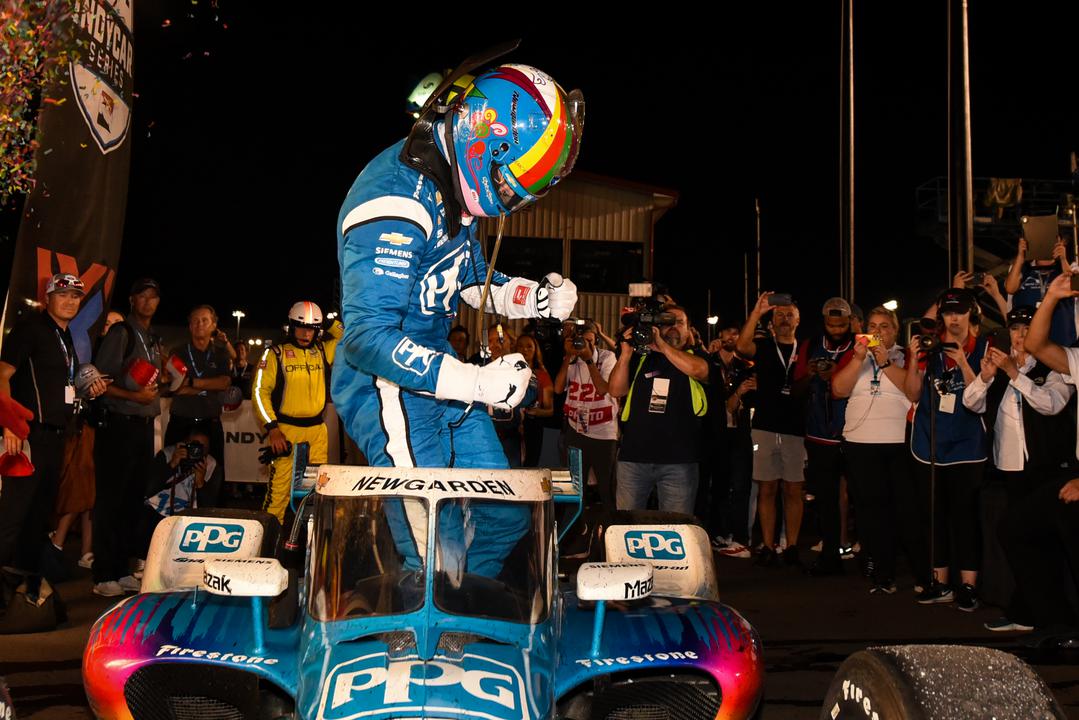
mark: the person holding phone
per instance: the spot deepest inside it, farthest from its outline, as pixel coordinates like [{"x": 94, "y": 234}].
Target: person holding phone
[
  {"x": 875, "y": 451},
  {"x": 778, "y": 422},
  {"x": 1028, "y": 281}
]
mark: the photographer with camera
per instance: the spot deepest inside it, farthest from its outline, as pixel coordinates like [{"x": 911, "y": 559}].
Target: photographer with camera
[
  {"x": 589, "y": 408},
  {"x": 948, "y": 435},
  {"x": 778, "y": 421},
  {"x": 875, "y": 453},
  {"x": 817, "y": 361},
  {"x": 664, "y": 406},
  {"x": 177, "y": 476},
  {"x": 208, "y": 357},
  {"x": 1028, "y": 281}
]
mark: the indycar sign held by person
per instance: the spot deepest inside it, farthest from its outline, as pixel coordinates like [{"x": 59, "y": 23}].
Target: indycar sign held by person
[{"x": 405, "y": 606}]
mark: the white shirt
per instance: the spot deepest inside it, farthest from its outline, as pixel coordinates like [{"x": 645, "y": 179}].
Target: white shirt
[
  {"x": 589, "y": 413},
  {"x": 1009, "y": 436},
  {"x": 877, "y": 415}
]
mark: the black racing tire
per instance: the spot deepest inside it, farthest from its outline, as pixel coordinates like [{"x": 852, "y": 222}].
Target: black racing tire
[{"x": 926, "y": 682}]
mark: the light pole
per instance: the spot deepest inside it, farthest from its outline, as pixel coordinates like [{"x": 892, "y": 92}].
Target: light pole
[{"x": 239, "y": 315}]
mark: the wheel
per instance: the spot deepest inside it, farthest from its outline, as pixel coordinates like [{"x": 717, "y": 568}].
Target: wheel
[{"x": 926, "y": 682}]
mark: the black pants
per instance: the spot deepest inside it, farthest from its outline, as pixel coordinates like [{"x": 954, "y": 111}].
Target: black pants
[
  {"x": 1040, "y": 535},
  {"x": 598, "y": 456},
  {"x": 726, "y": 481},
  {"x": 178, "y": 430},
  {"x": 27, "y": 503},
  {"x": 956, "y": 522},
  {"x": 880, "y": 475},
  {"x": 123, "y": 454},
  {"x": 824, "y": 467}
]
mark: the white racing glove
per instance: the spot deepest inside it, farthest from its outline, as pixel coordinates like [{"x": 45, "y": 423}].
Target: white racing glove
[
  {"x": 520, "y": 298},
  {"x": 556, "y": 297},
  {"x": 501, "y": 384}
]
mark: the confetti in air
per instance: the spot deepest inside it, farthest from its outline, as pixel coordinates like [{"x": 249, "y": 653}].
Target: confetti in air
[{"x": 33, "y": 55}]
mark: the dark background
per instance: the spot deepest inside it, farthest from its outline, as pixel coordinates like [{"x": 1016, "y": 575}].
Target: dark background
[{"x": 252, "y": 120}]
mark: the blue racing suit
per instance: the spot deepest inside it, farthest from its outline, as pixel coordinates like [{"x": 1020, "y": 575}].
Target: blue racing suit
[{"x": 402, "y": 276}]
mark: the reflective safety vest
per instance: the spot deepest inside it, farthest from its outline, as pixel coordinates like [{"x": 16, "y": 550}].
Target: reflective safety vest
[{"x": 696, "y": 393}]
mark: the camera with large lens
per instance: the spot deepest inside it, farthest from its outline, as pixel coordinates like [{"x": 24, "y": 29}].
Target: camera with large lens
[
  {"x": 646, "y": 313},
  {"x": 580, "y": 327},
  {"x": 196, "y": 453},
  {"x": 740, "y": 371},
  {"x": 928, "y": 340}
]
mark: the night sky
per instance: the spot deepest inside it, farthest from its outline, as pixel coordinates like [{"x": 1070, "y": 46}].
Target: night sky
[{"x": 246, "y": 139}]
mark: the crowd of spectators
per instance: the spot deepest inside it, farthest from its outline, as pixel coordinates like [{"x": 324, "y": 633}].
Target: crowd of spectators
[
  {"x": 891, "y": 436},
  {"x": 894, "y": 434},
  {"x": 88, "y": 463}
]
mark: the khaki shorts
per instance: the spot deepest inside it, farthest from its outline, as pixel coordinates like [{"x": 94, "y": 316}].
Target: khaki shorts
[{"x": 778, "y": 457}]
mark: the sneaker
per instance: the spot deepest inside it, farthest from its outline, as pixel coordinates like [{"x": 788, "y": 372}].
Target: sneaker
[
  {"x": 129, "y": 583},
  {"x": 790, "y": 557},
  {"x": 140, "y": 566},
  {"x": 967, "y": 598},
  {"x": 719, "y": 541},
  {"x": 846, "y": 552},
  {"x": 767, "y": 557},
  {"x": 883, "y": 587},
  {"x": 1003, "y": 624},
  {"x": 935, "y": 593},
  {"x": 87, "y": 561},
  {"x": 818, "y": 547},
  {"x": 109, "y": 588},
  {"x": 736, "y": 551}
]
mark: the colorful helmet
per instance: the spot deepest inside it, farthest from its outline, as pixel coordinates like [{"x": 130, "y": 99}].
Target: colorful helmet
[
  {"x": 516, "y": 133},
  {"x": 305, "y": 314}
]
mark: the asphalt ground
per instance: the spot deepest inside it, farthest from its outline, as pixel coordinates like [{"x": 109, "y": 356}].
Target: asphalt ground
[{"x": 808, "y": 627}]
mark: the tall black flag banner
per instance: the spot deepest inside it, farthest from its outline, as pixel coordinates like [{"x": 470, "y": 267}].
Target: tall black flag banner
[{"x": 73, "y": 218}]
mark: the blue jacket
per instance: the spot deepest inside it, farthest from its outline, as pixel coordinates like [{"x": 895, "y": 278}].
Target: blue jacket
[{"x": 402, "y": 275}]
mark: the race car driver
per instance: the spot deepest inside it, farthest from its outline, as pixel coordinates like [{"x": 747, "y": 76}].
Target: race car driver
[
  {"x": 408, "y": 254},
  {"x": 289, "y": 395}
]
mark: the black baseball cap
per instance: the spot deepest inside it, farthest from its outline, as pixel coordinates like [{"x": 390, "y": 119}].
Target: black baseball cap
[
  {"x": 145, "y": 284},
  {"x": 956, "y": 300},
  {"x": 1021, "y": 315}
]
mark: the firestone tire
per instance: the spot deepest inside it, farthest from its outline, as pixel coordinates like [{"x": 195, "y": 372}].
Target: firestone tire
[{"x": 926, "y": 682}]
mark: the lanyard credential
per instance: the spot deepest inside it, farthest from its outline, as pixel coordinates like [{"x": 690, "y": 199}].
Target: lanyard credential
[
  {"x": 787, "y": 364},
  {"x": 69, "y": 358},
  {"x": 194, "y": 366}
]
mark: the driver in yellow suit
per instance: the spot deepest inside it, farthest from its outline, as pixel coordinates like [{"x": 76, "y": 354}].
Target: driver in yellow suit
[{"x": 289, "y": 394}]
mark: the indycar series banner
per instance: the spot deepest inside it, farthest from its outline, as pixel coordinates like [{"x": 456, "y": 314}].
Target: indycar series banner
[{"x": 73, "y": 218}]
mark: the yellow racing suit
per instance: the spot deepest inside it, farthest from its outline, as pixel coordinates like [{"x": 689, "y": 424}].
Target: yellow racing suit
[{"x": 289, "y": 393}]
